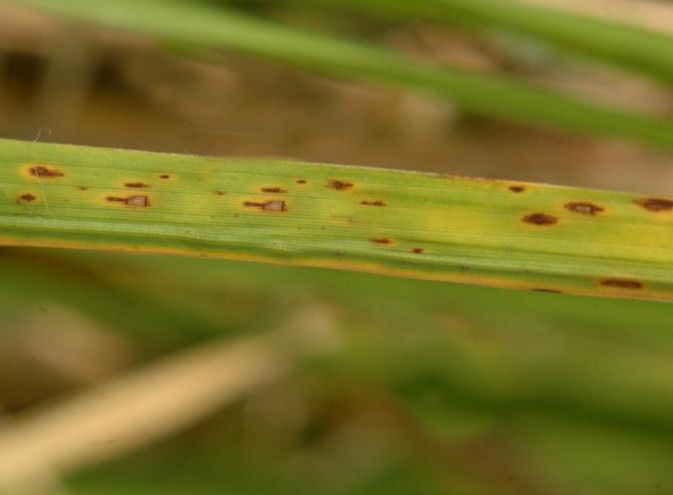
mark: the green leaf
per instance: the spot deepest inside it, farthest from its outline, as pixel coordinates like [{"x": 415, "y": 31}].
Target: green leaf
[{"x": 478, "y": 231}]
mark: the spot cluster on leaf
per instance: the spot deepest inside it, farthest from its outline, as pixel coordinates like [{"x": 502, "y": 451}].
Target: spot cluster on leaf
[
  {"x": 45, "y": 171},
  {"x": 584, "y": 207},
  {"x": 622, "y": 283},
  {"x": 655, "y": 204},
  {"x": 339, "y": 185},
  {"x": 135, "y": 200},
  {"x": 381, "y": 240},
  {"x": 274, "y": 205},
  {"x": 540, "y": 219},
  {"x": 25, "y": 198}
]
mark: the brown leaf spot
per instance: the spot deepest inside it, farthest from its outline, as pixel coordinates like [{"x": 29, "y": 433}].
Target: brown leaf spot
[
  {"x": 381, "y": 240},
  {"x": 219, "y": 193},
  {"x": 417, "y": 250},
  {"x": 517, "y": 189},
  {"x": 142, "y": 201},
  {"x": 136, "y": 185},
  {"x": 655, "y": 204},
  {"x": 26, "y": 198},
  {"x": 622, "y": 283},
  {"x": 45, "y": 171},
  {"x": 339, "y": 185},
  {"x": 372, "y": 203},
  {"x": 267, "y": 205},
  {"x": 584, "y": 208},
  {"x": 548, "y": 291},
  {"x": 82, "y": 188},
  {"x": 164, "y": 176},
  {"x": 301, "y": 181},
  {"x": 540, "y": 219},
  {"x": 273, "y": 190}
]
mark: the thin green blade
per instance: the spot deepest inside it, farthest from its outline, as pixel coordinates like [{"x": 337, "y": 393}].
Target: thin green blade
[
  {"x": 630, "y": 47},
  {"x": 485, "y": 94}
]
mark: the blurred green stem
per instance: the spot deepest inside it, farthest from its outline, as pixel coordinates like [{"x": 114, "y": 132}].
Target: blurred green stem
[
  {"x": 490, "y": 95},
  {"x": 630, "y": 47}
]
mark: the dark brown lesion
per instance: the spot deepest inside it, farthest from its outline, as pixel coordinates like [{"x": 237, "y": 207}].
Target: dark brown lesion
[
  {"x": 44, "y": 171},
  {"x": 372, "y": 203},
  {"x": 540, "y": 219},
  {"x": 548, "y": 291},
  {"x": 517, "y": 189},
  {"x": 655, "y": 204},
  {"x": 301, "y": 181},
  {"x": 622, "y": 283},
  {"x": 136, "y": 185},
  {"x": 82, "y": 188},
  {"x": 273, "y": 190},
  {"x": 135, "y": 200},
  {"x": 339, "y": 185},
  {"x": 381, "y": 240},
  {"x": 584, "y": 207},
  {"x": 219, "y": 193},
  {"x": 417, "y": 250},
  {"x": 273, "y": 205},
  {"x": 25, "y": 198},
  {"x": 164, "y": 176}
]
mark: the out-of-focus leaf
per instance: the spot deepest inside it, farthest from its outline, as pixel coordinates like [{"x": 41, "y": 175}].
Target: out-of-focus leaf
[{"x": 207, "y": 25}]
